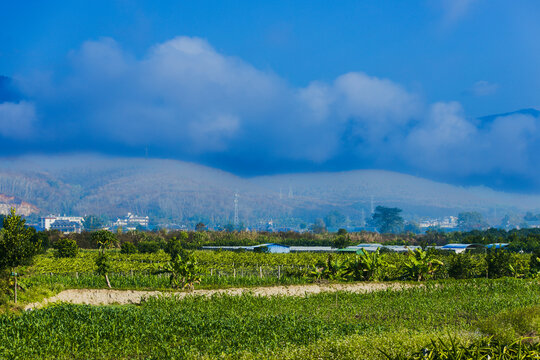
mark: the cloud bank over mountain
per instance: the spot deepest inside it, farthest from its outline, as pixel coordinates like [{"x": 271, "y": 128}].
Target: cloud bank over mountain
[{"x": 184, "y": 99}]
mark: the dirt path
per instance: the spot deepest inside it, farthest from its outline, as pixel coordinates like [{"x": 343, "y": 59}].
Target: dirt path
[{"x": 122, "y": 297}]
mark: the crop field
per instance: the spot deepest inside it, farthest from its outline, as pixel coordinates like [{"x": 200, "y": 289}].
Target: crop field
[
  {"x": 141, "y": 271},
  {"x": 230, "y": 269},
  {"x": 470, "y": 300},
  {"x": 326, "y": 326}
]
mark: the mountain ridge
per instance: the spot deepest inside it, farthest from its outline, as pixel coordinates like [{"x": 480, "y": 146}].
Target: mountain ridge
[{"x": 181, "y": 191}]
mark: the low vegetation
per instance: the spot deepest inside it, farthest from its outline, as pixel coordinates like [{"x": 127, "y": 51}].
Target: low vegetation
[
  {"x": 340, "y": 325},
  {"x": 469, "y": 306}
]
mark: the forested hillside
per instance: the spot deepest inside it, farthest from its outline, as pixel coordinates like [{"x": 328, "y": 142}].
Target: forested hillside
[{"x": 180, "y": 191}]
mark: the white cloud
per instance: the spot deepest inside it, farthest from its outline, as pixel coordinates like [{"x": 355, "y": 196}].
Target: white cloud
[
  {"x": 185, "y": 95},
  {"x": 185, "y": 98},
  {"x": 484, "y": 88}
]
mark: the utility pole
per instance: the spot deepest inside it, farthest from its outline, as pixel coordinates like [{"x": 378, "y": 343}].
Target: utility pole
[{"x": 236, "y": 221}]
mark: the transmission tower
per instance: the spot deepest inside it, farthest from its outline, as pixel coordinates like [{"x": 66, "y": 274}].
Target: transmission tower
[
  {"x": 236, "y": 221},
  {"x": 372, "y": 208},
  {"x": 290, "y": 192}
]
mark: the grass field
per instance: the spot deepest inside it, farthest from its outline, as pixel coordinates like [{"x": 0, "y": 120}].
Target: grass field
[{"x": 326, "y": 326}]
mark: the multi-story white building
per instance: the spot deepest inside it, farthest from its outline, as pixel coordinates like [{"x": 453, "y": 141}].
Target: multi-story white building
[
  {"x": 66, "y": 226},
  {"x": 46, "y": 222},
  {"x": 131, "y": 221}
]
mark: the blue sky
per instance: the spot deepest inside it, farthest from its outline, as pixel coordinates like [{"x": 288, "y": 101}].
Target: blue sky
[{"x": 269, "y": 87}]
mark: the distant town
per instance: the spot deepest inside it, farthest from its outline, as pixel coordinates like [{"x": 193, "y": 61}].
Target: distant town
[{"x": 465, "y": 221}]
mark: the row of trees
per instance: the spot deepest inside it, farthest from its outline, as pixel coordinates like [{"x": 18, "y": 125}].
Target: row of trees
[
  {"x": 151, "y": 241},
  {"x": 388, "y": 220}
]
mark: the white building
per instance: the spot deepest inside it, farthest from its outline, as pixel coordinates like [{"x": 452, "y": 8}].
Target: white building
[
  {"x": 448, "y": 222},
  {"x": 46, "y": 221},
  {"x": 131, "y": 221},
  {"x": 66, "y": 226}
]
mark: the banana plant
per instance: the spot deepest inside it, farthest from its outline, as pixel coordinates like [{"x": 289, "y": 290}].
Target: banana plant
[
  {"x": 420, "y": 265},
  {"x": 184, "y": 271},
  {"x": 331, "y": 269},
  {"x": 367, "y": 266},
  {"x": 517, "y": 270}
]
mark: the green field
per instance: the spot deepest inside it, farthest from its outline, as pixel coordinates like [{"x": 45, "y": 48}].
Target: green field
[
  {"x": 244, "y": 269},
  {"x": 339, "y": 325},
  {"x": 453, "y": 298}
]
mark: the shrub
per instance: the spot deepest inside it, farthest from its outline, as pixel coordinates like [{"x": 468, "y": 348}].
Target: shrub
[
  {"x": 104, "y": 238},
  {"x": 460, "y": 266},
  {"x": 103, "y": 266},
  {"x": 184, "y": 271},
  {"x": 174, "y": 248},
  {"x": 16, "y": 246},
  {"x": 534, "y": 263},
  {"x": 512, "y": 324},
  {"x": 342, "y": 241},
  {"x": 66, "y": 248},
  {"x": 498, "y": 263},
  {"x": 128, "y": 248},
  {"x": 148, "y": 247}
]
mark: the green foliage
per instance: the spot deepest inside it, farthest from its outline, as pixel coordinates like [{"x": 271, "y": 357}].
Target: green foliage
[
  {"x": 338, "y": 325},
  {"x": 463, "y": 266},
  {"x": 367, "y": 266},
  {"x": 40, "y": 238},
  {"x": 483, "y": 349},
  {"x": 128, "y": 248},
  {"x": 342, "y": 241},
  {"x": 103, "y": 264},
  {"x": 184, "y": 271},
  {"x": 534, "y": 263},
  {"x": 174, "y": 248},
  {"x": 498, "y": 263},
  {"x": 333, "y": 268},
  {"x": 388, "y": 220},
  {"x": 421, "y": 265},
  {"x": 148, "y": 247},
  {"x": 66, "y": 248},
  {"x": 16, "y": 246},
  {"x": 512, "y": 324},
  {"x": 104, "y": 239}
]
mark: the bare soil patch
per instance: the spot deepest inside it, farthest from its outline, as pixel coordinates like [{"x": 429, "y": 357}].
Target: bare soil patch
[{"x": 123, "y": 297}]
